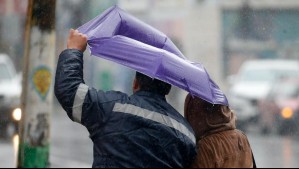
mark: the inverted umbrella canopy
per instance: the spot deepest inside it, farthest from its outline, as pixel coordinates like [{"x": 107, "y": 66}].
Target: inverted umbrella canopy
[{"x": 119, "y": 37}]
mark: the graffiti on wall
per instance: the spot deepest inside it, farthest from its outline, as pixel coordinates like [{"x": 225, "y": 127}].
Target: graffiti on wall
[{"x": 42, "y": 79}]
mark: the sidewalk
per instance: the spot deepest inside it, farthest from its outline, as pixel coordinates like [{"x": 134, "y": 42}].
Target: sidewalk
[
  {"x": 70, "y": 145},
  {"x": 7, "y": 157}
]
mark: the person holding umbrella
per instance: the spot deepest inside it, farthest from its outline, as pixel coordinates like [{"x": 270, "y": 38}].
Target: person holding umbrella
[
  {"x": 219, "y": 143},
  {"x": 141, "y": 130}
]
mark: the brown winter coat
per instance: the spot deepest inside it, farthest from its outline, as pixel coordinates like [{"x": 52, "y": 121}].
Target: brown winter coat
[{"x": 219, "y": 143}]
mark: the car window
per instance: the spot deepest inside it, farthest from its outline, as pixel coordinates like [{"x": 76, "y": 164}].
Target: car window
[
  {"x": 257, "y": 76},
  {"x": 4, "y": 73},
  {"x": 266, "y": 75}
]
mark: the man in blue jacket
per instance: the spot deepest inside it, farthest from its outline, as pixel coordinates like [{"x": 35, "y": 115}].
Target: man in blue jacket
[{"x": 141, "y": 130}]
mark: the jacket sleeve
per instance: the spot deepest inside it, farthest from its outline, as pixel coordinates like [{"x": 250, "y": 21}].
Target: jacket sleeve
[{"x": 82, "y": 103}]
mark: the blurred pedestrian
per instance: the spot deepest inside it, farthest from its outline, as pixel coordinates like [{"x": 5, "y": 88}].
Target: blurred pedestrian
[
  {"x": 141, "y": 130},
  {"x": 219, "y": 143}
]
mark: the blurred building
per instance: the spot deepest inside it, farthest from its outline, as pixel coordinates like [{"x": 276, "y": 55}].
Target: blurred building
[{"x": 256, "y": 29}]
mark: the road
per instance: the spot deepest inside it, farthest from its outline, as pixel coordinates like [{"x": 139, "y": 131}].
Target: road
[
  {"x": 275, "y": 152},
  {"x": 71, "y": 147}
]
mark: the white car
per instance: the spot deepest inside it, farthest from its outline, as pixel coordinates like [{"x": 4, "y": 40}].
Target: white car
[
  {"x": 10, "y": 91},
  {"x": 253, "y": 83}
]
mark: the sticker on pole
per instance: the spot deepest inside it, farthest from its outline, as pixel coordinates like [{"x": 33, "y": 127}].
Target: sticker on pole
[{"x": 42, "y": 79}]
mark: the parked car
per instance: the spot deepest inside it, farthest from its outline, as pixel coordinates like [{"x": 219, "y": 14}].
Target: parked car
[
  {"x": 253, "y": 83},
  {"x": 280, "y": 109},
  {"x": 10, "y": 91}
]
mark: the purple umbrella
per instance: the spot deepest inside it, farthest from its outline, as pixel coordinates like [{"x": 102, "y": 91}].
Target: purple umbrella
[{"x": 117, "y": 36}]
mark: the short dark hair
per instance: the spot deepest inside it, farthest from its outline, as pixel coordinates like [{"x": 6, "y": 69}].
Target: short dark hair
[{"x": 149, "y": 84}]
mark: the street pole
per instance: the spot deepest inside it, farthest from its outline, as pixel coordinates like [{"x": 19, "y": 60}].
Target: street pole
[{"x": 37, "y": 94}]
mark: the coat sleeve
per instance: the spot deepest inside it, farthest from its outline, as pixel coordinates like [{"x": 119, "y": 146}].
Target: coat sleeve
[{"x": 83, "y": 104}]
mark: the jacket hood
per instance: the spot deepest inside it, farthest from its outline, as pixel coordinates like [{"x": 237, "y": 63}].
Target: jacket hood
[{"x": 206, "y": 118}]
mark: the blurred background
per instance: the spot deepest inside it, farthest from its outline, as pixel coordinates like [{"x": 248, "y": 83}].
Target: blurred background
[{"x": 249, "y": 47}]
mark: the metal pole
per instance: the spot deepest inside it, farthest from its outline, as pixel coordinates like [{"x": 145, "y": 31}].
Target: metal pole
[{"x": 37, "y": 94}]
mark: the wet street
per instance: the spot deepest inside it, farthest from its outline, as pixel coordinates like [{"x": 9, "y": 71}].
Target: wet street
[
  {"x": 71, "y": 147},
  {"x": 274, "y": 151}
]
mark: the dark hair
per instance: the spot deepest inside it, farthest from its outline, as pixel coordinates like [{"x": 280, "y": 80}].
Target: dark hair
[{"x": 149, "y": 84}]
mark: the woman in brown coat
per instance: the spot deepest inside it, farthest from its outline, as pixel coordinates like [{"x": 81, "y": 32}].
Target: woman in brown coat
[{"x": 219, "y": 143}]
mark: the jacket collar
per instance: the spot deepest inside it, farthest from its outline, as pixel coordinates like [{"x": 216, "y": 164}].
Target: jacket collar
[{"x": 150, "y": 94}]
